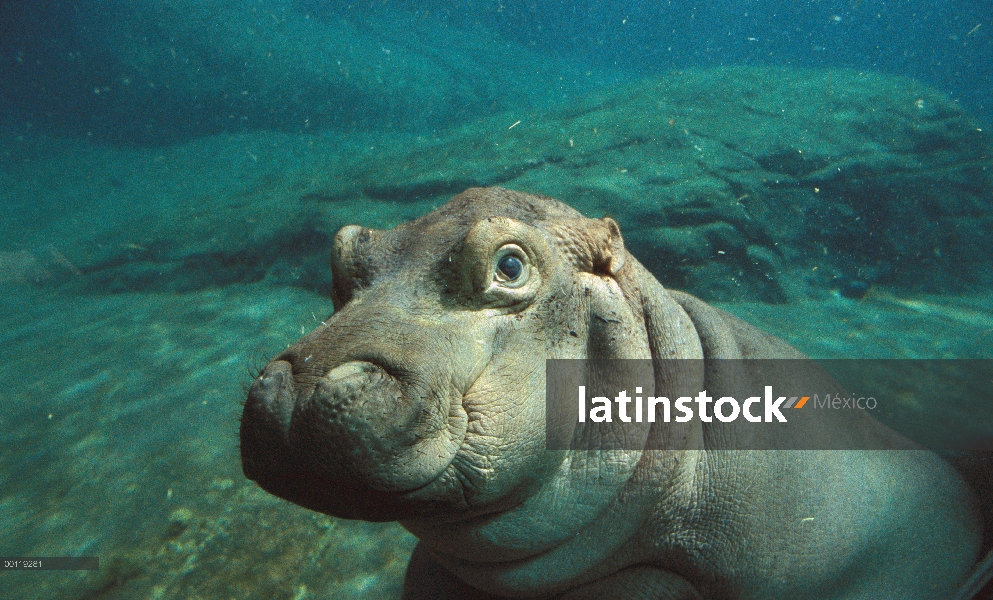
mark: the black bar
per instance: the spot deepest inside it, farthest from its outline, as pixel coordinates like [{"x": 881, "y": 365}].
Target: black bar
[{"x": 49, "y": 563}]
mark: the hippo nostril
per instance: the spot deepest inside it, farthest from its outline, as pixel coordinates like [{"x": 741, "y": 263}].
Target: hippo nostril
[
  {"x": 349, "y": 369},
  {"x": 273, "y": 391},
  {"x": 345, "y": 384}
]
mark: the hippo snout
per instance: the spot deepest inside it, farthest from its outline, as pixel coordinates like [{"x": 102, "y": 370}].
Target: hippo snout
[
  {"x": 357, "y": 428},
  {"x": 359, "y": 419}
]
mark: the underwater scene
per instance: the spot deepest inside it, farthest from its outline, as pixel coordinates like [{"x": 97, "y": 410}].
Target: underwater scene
[{"x": 279, "y": 280}]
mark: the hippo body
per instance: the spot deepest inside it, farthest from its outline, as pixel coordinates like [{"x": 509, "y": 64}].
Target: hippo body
[{"x": 422, "y": 400}]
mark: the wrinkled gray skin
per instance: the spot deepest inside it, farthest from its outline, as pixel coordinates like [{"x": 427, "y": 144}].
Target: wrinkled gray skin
[{"x": 422, "y": 400}]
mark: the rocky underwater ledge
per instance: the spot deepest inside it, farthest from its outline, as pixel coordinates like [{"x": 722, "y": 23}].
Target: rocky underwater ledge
[{"x": 766, "y": 184}]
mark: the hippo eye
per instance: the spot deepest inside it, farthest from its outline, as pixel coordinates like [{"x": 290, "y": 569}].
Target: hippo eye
[{"x": 510, "y": 266}]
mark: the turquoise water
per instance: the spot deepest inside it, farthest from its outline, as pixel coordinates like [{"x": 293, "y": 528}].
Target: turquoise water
[{"x": 172, "y": 176}]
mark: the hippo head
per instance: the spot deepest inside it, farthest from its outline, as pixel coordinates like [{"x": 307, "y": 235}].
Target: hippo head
[{"x": 423, "y": 394}]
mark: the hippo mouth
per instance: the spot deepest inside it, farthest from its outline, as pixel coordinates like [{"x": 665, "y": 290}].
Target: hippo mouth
[{"x": 356, "y": 444}]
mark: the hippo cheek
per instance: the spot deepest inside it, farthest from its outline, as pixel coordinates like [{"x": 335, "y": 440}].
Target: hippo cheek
[{"x": 360, "y": 425}]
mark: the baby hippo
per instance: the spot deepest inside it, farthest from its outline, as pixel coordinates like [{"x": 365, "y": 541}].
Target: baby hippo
[{"x": 423, "y": 400}]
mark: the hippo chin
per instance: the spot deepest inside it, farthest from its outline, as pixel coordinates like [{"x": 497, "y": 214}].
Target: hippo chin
[{"x": 422, "y": 399}]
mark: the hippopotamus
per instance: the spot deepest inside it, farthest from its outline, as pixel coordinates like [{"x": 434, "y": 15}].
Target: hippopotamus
[{"x": 422, "y": 400}]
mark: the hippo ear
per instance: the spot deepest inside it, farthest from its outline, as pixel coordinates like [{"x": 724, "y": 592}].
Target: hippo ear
[
  {"x": 590, "y": 245},
  {"x": 609, "y": 255},
  {"x": 671, "y": 333},
  {"x": 598, "y": 246},
  {"x": 670, "y": 330}
]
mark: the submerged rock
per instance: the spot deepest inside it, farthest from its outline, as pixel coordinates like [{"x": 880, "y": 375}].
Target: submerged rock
[
  {"x": 733, "y": 184},
  {"x": 746, "y": 182}
]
